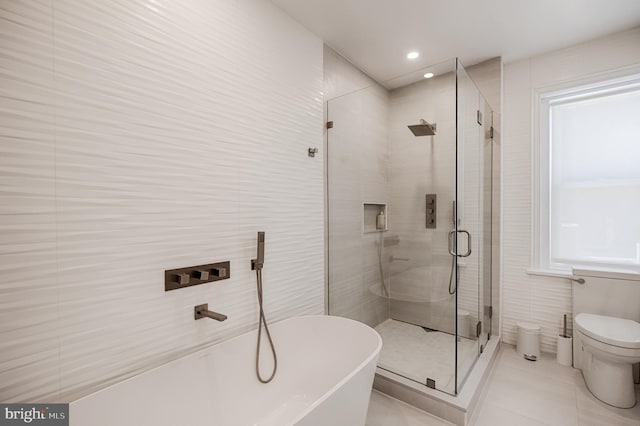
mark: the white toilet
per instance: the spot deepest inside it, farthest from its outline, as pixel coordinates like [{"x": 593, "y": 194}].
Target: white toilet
[
  {"x": 606, "y": 339},
  {"x": 611, "y": 347}
]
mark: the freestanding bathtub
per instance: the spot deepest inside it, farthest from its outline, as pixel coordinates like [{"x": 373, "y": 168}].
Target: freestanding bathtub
[{"x": 325, "y": 372}]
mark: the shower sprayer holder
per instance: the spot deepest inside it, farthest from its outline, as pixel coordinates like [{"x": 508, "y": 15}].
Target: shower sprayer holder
[{"x": 253, "y": 264}]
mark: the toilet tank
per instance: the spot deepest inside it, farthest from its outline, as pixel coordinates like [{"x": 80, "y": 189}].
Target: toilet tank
[{"x": 615, "y": 294}]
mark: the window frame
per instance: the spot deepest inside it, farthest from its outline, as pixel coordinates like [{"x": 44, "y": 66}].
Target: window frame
[{"x": 594, "y": 86}]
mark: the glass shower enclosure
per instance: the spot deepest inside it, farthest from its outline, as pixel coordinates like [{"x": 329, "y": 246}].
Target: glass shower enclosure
[{"x": 409, "y": 220}]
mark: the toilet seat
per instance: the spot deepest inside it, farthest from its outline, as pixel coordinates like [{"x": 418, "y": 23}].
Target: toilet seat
[{"x": 619, "y": 332}]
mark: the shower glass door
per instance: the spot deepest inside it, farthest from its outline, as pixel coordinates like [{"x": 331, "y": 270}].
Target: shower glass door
[
  {"x": 485, "y": 300},
  {"x": 406, "y": 189},
  {"x": 357, "y": 188},
  {"x": 468, "y": 224},
  {"x": 473, "y": 227}
]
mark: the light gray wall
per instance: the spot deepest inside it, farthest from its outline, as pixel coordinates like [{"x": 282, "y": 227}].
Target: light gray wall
[{"x": 541, "y": 299}]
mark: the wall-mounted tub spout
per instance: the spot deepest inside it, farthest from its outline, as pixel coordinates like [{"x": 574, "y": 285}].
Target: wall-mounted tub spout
[{"x": 202, "y": 311}]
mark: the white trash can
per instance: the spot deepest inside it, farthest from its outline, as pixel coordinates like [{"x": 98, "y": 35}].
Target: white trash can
[
  {"x": 464, "y": 325},
  {"x": 528, "y": 340}
]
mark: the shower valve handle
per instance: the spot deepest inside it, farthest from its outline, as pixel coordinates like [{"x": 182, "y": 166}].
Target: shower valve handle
[
  {"x": 201, "y": 275},
  {"x": 183, "y": 278},
  {"x": 219, "y": 272}
]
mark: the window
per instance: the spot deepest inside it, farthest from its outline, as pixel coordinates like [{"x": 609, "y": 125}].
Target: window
[{"x": 588, "y": 184}]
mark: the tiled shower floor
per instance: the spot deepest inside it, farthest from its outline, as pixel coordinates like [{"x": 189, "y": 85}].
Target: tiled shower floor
[{"x": 412, "y": 352}]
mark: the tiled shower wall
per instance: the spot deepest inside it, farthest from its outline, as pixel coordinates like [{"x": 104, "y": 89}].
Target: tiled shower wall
[
  {"x": 141, "y": 136},
  {"x": 353, "y": 258},
  {"x": 419, "y": 166},
  {"x": 535, "y": 298},
  {"x": 356, "y": 174},
  {"x": 427, "y": 165}
]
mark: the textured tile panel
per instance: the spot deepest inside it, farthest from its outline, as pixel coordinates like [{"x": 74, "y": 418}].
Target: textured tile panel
[
  {"x": 29, "y": 364},
  {"x": 139, "y": 137}
]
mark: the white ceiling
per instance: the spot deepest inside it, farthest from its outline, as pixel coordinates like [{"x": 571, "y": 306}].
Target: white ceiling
[{"x": 377, "y": 34}]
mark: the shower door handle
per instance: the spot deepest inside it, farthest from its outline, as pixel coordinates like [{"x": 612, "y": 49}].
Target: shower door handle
[
  {"x": 468, "y": 253},
  {"x": 453, "y": 233}
]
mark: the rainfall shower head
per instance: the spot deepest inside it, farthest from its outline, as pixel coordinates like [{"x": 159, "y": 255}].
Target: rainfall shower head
[{"x": 423, "y": 129}]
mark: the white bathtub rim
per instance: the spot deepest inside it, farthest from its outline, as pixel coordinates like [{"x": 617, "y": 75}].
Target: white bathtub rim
[
  {"x": 371, "y": 358},
  {"x": 210, "y": 345}
]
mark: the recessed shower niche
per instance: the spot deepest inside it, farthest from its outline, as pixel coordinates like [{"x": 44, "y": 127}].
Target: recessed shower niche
[{"x": 374, "y": 217}]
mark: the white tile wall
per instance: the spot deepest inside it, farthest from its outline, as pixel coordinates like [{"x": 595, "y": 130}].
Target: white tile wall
[
  {"x": 28, "y": 292},
  {"x": 141, "y": 136},
  {"x": 542, "y": 300}
]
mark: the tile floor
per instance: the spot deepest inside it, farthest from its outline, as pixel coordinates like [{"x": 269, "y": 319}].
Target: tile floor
[
  {"x": 412, "y": 352},
  {"x": 387, "y": 411},
  {"x": 519, "y": 393}
]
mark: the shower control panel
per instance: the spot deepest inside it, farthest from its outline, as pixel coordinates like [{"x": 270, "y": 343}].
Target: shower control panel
[
  {"x": 195, "y": 275},
  {"x": 431, "y": 209}
]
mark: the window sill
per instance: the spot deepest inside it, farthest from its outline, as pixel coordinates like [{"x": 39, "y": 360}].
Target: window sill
[
  {"x": 554, "y": 274},
  {"x": 622, "y": 274}
]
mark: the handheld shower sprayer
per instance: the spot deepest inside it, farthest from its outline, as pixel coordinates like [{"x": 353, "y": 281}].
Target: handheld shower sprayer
[{"x": 256, "y": 265}]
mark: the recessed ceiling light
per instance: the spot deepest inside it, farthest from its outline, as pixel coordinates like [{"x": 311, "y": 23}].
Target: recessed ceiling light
[
  {"x": 428, "y": 75},
  {"x": 412, "y": 55}
]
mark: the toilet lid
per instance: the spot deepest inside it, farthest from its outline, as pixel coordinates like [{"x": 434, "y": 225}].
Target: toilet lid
[{"x": 613, "y": 331}]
